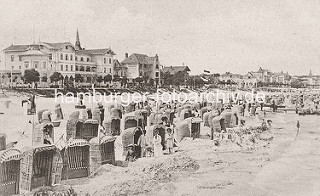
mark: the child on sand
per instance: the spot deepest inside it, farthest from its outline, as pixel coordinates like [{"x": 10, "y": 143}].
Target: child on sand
[{"x": 170, "y": 141}]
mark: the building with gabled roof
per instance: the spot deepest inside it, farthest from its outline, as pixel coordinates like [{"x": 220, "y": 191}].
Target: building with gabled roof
[
  {"x": 141, "y": 65},
  {"x": 175, "y": 69}
]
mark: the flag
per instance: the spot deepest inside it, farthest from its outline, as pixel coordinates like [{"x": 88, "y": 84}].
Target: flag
[{"x": 206, "y": 71}]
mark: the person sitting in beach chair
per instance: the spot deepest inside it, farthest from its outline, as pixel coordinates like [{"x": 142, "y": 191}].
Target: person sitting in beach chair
[
  {"x": 149, "y": 151},
  {"x": 131, "y": 154},
  {"x": 46, "y": 138}
]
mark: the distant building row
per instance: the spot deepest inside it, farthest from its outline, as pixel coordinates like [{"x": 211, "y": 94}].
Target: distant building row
[
  {"x": 264, "y": 77},
  {"x": 69, "y": 60}
]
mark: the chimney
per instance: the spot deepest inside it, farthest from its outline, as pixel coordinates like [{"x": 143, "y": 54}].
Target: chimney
[{"x": 126, "y": 55}]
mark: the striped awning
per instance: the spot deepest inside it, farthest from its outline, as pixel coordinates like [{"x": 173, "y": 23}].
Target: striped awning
[
  {"x": 9, "y": 154},
  {"x": 77, "y": 142},
  {"x": 91, "y": 121},
  {"x": 106, "y": 139}
]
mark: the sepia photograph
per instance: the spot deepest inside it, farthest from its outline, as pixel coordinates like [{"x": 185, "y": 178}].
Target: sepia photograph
[{"x": 159, "y": 97}]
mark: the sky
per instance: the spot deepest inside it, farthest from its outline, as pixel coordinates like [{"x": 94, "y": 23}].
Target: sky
[{"x": 215, "y": 35}]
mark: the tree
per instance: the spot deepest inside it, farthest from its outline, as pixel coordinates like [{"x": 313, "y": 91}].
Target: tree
[
  {"x": 99, "y": 80},
  {"x": 55, "y": 77},
  {"x": 296, "y": 84},
  {"x": 107, "y": 78},
  {"x": 168, "y": 78},
  {"x": 71, "y": 80},
  {"x": 179, "y": 78},
  {"x": 66, "y": 81},
  {"x": 44, "y": 78},
  {"x": 15, "y": 78},
  {"x": 31, "y": 76},
  {"x": 116, "y": 78},
  {"x": 139, "y": 80},
  {"x": 145, "y": 78},
  {"x": 151, "y": 82},
  {"x": 198, "y": 82},
  {"x": 78, "y": 78}
]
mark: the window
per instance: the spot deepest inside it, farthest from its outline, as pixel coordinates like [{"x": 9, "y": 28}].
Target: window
[
  {"x": 104, "y": 60},
  {"x": 51, "y": 67},
  {"x": 77, "y": 68},
  {"x": 109, "y": 70},
  {"x": 75, "y": 58},
  {"x": 105, "y": 70},
  {"x": 157, "y": 74},
  {"x": 26, "y": 64},
  {"x": 71, "y": 57},
  {"x": 88, "y": 59},
  {"x": 20, "y": 67},
  {"x": 50, "y": 56},
  {"x": 71, "y": 67},
  {"x": 61, "y": 56},
  {"x": 44, "y": 65},
  {"x": 144, "y": 66},
  {"x": 35, "y": 64},
  {"x": 66, "y": 47},
  {"x": 66, "y": 67},
  {"x": 157, "y": 66},
  {"x": 110, "y": 61},
  {"x": 12, "y": 58},
  {"x": 66, "y": 57},
  {"x": 81, "y": 59},
  {"x": 61, "y": 68},
  {"x": 19, "y": 58}
]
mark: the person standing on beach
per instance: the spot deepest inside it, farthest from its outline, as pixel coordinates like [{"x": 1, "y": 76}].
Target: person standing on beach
[
  {"x": 157, "y": 145},
  {"x": 142, "y": 143},
  {"x": 298, "y": 128},
  {"x": 170, "y": 141}
]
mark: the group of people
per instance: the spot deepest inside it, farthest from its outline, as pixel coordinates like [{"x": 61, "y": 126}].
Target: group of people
[{"x": 145, "y": 148}]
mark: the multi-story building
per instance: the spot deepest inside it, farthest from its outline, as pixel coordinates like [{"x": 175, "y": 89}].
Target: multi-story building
[
  {"x": 268, "y": 77},
  {"x": 64, "y": 58},
  {"x": 262, "y": 75},
  {"x": 141, "y": 65}
]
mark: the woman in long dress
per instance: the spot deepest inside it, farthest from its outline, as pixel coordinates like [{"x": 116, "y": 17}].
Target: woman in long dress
[{"x": 157, "y": 145}]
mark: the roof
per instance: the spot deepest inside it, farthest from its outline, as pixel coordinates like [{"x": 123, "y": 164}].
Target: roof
[
  {"x": 136, "y": 58},
  {"x": 151, "y": 60},
  {"x": 231, "y": 74},
  {"x": 175, "y": 69},
  {"x": 262, "y": 70},
  {"x": 58, "y": 45},
  {"x": 17, "y": 48},
  {"x": 95, "y": 51},
  {"x": 33, "y": 53},
  {"x": 117, "y": 64},
  {"x": 139, "y": 58}
]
